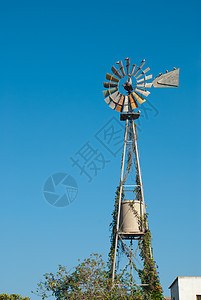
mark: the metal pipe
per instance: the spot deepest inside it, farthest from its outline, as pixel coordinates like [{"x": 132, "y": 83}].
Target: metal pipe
[
  {"x": 138, "y": 162},
  {"x": 142, "y": 203},
  {"x": 131, "y": 270},
  {"x": 119, "y": 202},
  {"x": 129, "y": 185}
]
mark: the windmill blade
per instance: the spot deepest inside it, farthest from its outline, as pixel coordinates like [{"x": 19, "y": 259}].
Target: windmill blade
[
  {"x": 169, "y": 79},
  {"x": 143, "y": 72},
  {"x": 127, "y": 65},
  {"x": 126, "y": 104},
  {"x": 111, "y": 77},
  {"x": 114, "y": 95},
  {"x": 140, "y": 80},
  {"x": 118, "y": 98},
  {"x": 148, "y": 77},
  {"x": 121, "y": 67},
  {"x": 132, "y": 101},
  {"x": 107, "y": 100},
  {"x": 119, "y": 108},
  {"x": 121, "y": 103},
  {"x": 112, "y": 105},
  {"x": 142, "y": 64},
  {"x": 110, "y": 84},
  {"x": 145, "y": 78},
  {"x": 139, "y": 99},
  {"x": 145, "y": 93},
  {"x": 114, "y": 70},
  {"x": 109, "y": 91},
  {"x": 141, "y": 84},
  {"x": 148, "y": 84},
  {"x": 145, "y": 84},
  {"x": 133, "y": 69}
]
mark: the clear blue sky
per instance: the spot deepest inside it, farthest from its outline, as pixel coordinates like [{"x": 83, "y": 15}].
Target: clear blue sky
[{"x": 53, "y": 59}]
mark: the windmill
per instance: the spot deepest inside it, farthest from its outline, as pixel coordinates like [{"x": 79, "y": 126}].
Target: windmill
[{"x": 125, "y": 89}]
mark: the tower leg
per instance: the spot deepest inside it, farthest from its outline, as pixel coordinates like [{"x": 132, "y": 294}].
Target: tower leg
[
  {"x": 138, "y": 164},
  {"x": 131, "y": 267},
  {"x": 119, "y": 202}
]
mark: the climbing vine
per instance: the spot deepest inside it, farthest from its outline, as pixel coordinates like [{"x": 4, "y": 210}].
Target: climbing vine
[
  {"x": 113, "y": 225},
  {"x": 149, "y": 272}
]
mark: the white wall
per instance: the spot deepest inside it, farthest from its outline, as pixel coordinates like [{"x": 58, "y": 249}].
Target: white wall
[
  {"x": 186, "y": 288},
  {"x": 175, "y": 291}
]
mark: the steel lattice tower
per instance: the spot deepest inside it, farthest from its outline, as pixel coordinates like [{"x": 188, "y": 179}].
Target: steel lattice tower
[{"x": 128, "y": 227}]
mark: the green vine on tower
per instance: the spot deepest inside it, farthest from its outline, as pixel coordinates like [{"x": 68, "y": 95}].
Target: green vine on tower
[
  {"x": 149, "y": 274},
  {"x": 113, "y": 225}
]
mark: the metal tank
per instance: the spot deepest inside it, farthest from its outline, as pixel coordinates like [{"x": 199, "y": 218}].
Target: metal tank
[{"x": 130, "y": 222}]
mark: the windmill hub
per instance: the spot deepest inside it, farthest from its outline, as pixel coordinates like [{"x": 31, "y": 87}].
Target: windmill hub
[{"x": 128, "y": 87}]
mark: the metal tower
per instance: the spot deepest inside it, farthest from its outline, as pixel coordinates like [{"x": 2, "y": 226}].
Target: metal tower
[
  {"x": 130, "y": 211},
  {"x": 125, "y": 90}
]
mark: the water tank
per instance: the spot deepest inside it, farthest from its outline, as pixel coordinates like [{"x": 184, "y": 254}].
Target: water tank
[{"x": 130, "y": 217}]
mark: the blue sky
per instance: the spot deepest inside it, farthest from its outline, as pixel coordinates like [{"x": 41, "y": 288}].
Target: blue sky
[{"x": 53, "y": 59}]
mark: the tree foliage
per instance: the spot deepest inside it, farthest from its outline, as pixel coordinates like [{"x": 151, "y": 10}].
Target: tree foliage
[
  {"x": 88, "y": 280},
  {"x": 12, "y": 297}
]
